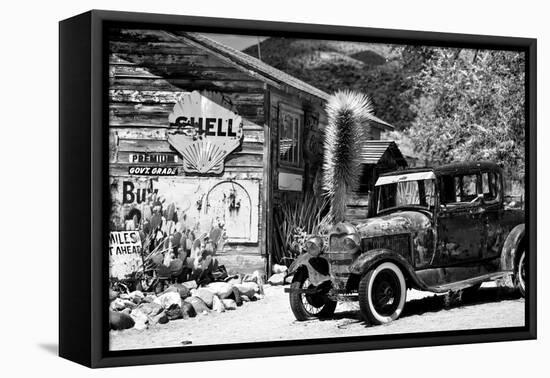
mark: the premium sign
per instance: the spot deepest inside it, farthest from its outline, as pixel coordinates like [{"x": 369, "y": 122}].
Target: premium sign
[
  {"x": 204, "y": 131},
  {"x": 124, "y": 253},
  {"x": 153, "y": 158}
]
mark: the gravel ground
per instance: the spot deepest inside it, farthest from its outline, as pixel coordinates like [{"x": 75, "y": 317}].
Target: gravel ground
[{"x": 271, "y": 319}]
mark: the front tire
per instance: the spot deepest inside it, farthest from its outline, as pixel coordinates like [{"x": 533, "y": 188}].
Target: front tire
[
  {"x": 309, "y": 306},
  {"x": 521, "y": 274},
  {"x": 382, "y": 294}
]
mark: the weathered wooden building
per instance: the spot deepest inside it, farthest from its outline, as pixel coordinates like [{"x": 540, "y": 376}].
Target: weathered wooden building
[
  {"x": 377, "y": 157},
  {"x": 221, "y": 135}
]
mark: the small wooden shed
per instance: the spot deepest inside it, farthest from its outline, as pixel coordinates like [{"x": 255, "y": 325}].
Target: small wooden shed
[{"x": 377, "y": 157}]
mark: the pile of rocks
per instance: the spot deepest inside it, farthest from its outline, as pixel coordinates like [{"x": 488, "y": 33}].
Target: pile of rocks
[
  {"x": 279, "y": 275},
  {"x": 182, "y": 301}
]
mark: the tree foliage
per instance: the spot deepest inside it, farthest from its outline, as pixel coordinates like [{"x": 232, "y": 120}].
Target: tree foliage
[
  {"x": 448, "y": 104},
  {"x": 469, "y": 105}
]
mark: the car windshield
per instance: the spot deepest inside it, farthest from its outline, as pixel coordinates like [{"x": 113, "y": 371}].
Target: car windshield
[{"x": 416, "y": 193}]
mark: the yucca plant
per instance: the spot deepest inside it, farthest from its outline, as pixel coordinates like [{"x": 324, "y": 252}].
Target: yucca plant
[
  {"x": 295, "y": 222},
  {"x": 348, "y": 115}
]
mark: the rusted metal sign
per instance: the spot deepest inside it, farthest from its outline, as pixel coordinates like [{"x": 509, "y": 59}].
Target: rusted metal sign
[{"x": 204, "y": 129}]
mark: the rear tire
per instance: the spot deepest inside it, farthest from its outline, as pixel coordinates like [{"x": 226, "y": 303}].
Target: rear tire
[
  {"x": 309, "y": 306},
  {"x": 382, "y": 294},
  {"x": 520, "y": 274}
]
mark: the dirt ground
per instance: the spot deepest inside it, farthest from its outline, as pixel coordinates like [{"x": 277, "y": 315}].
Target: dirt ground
[{"x": 271, "y": 319}]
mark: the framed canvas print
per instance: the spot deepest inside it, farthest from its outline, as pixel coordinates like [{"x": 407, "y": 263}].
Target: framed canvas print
[{"x": 234, "y": 188}]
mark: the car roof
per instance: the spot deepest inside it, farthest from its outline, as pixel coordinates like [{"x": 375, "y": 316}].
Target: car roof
[{"x": 451, "y": 169}]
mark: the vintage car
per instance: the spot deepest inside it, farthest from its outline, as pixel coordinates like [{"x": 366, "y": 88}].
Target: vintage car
[{"x": 432, "y": 229}]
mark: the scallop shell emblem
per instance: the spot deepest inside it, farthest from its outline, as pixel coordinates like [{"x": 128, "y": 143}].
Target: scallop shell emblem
[{"x": 204, "y": 129}]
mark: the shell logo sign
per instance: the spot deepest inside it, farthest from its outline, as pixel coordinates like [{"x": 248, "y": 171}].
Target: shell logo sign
[{"x": 204, "y": 129}]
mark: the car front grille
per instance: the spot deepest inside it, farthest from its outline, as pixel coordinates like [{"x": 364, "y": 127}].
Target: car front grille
[{"x": 340, "y": 259}]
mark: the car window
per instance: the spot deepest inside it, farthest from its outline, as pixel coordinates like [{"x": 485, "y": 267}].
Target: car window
[
  {"x": 485, "y": 188},
  {"x": 406, "y": 193},
  {"x": 429, "y": 192},
  {"x": 492, "y": 192},
  {"x": 469, "y": 187},
  {"x": 464, "y": 189}
]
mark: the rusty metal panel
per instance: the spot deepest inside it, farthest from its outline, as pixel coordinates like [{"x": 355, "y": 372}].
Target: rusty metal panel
[{"x": 400, "y": 243}]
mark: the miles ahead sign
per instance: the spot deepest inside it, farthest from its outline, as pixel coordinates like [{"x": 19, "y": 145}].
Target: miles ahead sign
[{"x": 124, "y": 253}]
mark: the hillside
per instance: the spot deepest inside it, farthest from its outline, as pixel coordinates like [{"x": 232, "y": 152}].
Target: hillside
[{"x": 375, "y": 69}]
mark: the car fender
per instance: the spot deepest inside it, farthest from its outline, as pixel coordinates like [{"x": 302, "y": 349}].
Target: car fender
[
  {"x": 510, "y": 248},
  {"x": 372, "y": 258},
  {"x": 317, "y": 268}
]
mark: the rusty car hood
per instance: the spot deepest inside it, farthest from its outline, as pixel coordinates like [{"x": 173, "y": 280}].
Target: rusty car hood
[{"x": 394, "y": 223}]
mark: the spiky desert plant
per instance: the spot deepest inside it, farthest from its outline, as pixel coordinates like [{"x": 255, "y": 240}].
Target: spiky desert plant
[
  {"x": 294, "y": 223},
  {"x": 348, "y": 114}
]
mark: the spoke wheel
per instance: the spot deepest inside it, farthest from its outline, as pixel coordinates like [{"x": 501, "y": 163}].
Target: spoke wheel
[
  {"x": 309, "y": 306},
  {"x": 521, "y": 274},
  {"x": 382, "y": 294}
]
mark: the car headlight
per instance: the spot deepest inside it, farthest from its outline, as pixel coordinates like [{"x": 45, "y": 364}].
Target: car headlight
[
  {"x": 351, "y": 242},
  {"x": 314, "y": 246}
]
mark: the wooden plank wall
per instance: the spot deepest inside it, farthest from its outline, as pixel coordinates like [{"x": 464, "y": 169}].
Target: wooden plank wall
[
  {"x": 148, "y": 69},
  {"x": 312, "y": 142}
]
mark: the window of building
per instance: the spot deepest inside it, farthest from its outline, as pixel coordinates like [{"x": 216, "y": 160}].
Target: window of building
[{"x": 290, "y": 135}]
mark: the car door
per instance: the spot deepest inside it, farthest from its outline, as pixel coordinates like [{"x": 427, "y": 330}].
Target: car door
[
  {"x": 462, "y": 222},
  {"x": 492, "y": 199}
]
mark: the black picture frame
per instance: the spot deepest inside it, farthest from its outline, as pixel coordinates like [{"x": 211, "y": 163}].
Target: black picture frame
[{"x": 83, "y": 324}]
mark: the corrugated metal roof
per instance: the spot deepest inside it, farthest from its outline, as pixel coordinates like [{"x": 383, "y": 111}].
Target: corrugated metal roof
[
  {"x": 265, "y": 71},
  {"x": 372, "y": 151}
]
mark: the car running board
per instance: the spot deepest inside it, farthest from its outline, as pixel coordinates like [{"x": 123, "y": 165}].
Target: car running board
[{"x": 467, "y": 283}]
